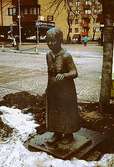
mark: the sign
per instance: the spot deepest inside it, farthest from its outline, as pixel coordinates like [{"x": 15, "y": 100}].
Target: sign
[{"x": 44, "y": 24}]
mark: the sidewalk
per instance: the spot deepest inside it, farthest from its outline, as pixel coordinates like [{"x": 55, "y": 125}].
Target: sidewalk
[{"x": 33, "y": 48}]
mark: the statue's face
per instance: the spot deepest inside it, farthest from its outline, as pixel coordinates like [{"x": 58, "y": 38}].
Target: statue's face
[{"x": 53, "y": 42}]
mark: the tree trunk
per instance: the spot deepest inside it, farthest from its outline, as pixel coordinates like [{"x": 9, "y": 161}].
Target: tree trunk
[
  {"x": 106, "y": 80},
  {"x": 69, "y": 27}
]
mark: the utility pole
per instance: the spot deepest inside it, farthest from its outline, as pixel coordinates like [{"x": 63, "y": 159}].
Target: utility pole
[
  {"x": 37, "y": 38},
  {"x": 37, "y": 35},
  {"x": 19, "y": 17}
]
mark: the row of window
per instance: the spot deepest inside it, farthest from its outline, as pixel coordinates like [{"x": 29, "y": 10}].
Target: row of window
[
  {"x": 25, "y": 11},
  {"x": 76, "y": 30},
  {"x": 78, "y": 3},
  {"x": 76, "y": 21},
  {"x": 89, "y": 11}
]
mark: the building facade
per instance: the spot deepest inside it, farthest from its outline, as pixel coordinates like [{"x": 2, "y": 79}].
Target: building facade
[
  {"x": 39, "y": 13},
  {"x": 24, "y": 14},
  {"x": 83, "y": 22}
]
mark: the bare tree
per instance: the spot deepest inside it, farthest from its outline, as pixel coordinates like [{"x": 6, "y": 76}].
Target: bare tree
[
  {"x": 67, "y": 5},
  {"x": 73, "y": 11},
  {"x": 108, "y": 7}
]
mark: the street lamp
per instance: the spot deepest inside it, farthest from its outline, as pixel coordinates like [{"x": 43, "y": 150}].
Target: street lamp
[
  {"x": 101, "y": 28},
  {"x": 37, "y": 35},
  {"x": 19, "y": 17}
]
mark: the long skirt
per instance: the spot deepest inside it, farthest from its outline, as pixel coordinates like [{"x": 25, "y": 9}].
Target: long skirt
[{"x": 62, "y": 108}]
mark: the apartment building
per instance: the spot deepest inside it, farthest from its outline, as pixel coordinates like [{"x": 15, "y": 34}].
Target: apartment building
[{"x": 84, "y": 22}]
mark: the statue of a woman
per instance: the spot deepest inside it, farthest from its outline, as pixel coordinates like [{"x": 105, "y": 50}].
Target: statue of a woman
[{"x": 62, "y": 109}]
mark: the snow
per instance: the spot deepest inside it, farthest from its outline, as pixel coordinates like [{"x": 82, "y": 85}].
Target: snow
[{"x": 14, "y": 154}]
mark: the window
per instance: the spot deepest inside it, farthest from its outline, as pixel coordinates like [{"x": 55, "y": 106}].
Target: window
[
  {"x": 77, "y": 3},
  {"x": 76, "y": 30},
  {"x": 70, "y": 30},
  {"x": 87, "y": 11},
  {"x": 70, "y": 3},
  {"x": 88, "y": 2},
  {"x": 32, "y": 11},
  {"x": 49, "y": 18},
  {"x": 71, "y": 21},
  {"x": 97, "y": 29},
  {"x": 12, "y": 11},
  {"x": 76, "y": 21},
  {"x": 25, "y": 11}
]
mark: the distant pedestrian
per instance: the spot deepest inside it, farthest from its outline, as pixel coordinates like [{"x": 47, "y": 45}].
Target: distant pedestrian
[
  {"x": 79, "y": 39},
  {"x": 85, "y": 40},
  {"x": 12, "y": 38}
]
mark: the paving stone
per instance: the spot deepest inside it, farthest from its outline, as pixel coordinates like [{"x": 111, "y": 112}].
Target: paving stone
[{"x": 5, "y": 91}]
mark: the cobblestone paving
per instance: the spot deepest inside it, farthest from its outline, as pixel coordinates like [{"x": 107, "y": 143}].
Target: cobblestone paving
[
  {"x": 5, "y": 91},
  {"x": 28, "y": 72}
]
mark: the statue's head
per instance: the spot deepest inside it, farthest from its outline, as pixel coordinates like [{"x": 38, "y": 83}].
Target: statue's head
[{"x": 54, "y": 38}]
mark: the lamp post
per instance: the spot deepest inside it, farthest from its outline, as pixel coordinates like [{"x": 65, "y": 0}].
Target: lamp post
[
  {"x": 101, "y": 28},
  {"x": 37, "y": 35},
  {"x": 19, "y": 17}
]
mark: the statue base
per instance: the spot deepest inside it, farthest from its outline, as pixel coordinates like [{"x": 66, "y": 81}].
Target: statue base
[{"x": 58, "y": 149}]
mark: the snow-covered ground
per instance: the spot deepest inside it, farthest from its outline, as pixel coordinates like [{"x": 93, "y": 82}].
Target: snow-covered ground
[{"x": 14, "y": 154}]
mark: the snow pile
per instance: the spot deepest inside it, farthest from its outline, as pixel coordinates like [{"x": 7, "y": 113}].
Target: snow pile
[
  {"x": 22, "y": 123},
  {"x": 14, "y": 154}
]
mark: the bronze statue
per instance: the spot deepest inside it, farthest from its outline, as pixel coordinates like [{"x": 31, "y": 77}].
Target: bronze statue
[{"x": 62, "y": 109}]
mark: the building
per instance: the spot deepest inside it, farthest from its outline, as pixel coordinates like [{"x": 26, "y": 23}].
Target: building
[
  {"x": 84, "y": 22},
  {"x": 23, "y": 14},
  {"x": 37, "y": 15},
  {"x": 59, "y": 18}
]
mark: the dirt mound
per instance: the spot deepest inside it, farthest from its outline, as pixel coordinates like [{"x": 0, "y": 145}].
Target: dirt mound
[
  {"x": 93, "y": 118},
  {"x": 90, "y": 115},
  {"x": 30, "y": 103}
]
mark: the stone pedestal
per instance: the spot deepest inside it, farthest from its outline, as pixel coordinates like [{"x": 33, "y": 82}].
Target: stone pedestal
[
  {"x": 85, "y": 141},
  {"x": 58, "y": 149}
]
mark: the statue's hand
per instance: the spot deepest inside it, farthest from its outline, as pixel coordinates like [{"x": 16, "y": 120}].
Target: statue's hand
[{"x": 59, "y": 76}]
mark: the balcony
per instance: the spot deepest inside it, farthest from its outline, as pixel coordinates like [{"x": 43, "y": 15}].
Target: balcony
[
  {"x": 85, "y": 25},
  {"x": 29, "y": 14},
  {"x": 87, "y": 7},
  {"x": 25, "y": 2}
]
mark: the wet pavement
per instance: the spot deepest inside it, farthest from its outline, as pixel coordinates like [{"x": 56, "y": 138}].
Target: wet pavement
[{"x": 26, "y": 70}]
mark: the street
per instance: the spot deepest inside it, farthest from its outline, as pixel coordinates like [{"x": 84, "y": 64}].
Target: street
[{"x": 27, "y": 71}]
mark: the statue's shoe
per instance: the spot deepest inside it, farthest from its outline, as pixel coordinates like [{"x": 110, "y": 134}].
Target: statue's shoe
[
  {"x": 67, "y": 139},
  {"x": 55, "y": 137}
]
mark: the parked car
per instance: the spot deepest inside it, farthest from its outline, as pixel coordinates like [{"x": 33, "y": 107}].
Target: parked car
[
  {"x": 76, "y": 39},
  {"x": 33, "y": 38}
]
